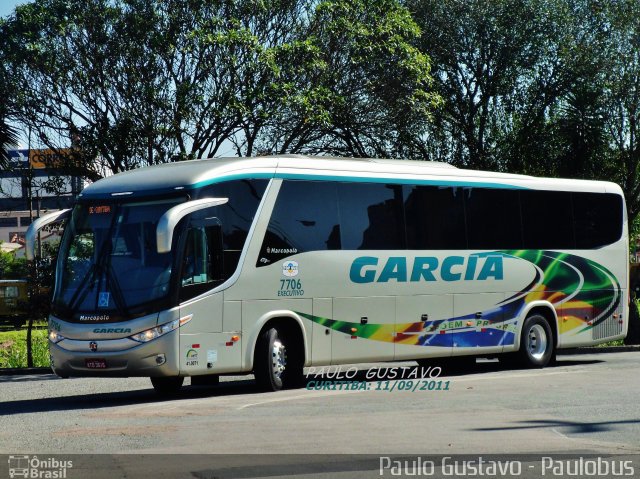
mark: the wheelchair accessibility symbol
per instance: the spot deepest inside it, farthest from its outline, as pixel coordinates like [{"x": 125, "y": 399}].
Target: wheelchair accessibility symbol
[{"x": 103, "y": 300}]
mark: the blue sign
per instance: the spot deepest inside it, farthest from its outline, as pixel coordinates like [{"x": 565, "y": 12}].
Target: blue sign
[
  {"x": 19, "y": 157},
  {"x": 103, "y": 300}
]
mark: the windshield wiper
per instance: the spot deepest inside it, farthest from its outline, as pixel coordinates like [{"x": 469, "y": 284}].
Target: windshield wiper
[
  {"x": 96, "y": 268},
  {"x": 118, "y": 297}
]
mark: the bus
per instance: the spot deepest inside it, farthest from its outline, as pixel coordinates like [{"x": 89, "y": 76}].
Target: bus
[
  {"x": 268, "y": 265},
  {"x": 13, "y": 298}
]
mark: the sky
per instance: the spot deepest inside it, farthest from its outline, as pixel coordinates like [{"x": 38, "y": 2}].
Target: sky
[{"x": 7, "y": 6}]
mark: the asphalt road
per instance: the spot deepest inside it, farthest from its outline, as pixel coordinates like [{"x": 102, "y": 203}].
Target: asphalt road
[{"x": 584, "y": 404}]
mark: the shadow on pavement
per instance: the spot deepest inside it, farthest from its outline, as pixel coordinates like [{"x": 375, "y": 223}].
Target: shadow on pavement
[
  {"x": 243, "y": 386},
  {"x": 574, "y": 427}
]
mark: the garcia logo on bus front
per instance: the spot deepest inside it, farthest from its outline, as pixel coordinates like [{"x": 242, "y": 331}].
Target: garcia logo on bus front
[{"x": 476, "y": 267}]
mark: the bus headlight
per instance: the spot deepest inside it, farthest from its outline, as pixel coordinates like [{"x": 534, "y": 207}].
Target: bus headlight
[
  {"x": 55, "y": 337},
  {"x": 154, "y": 333}
]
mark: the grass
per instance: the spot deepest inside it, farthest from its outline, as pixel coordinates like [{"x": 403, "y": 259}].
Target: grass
[
  {"x": 13, "y": 348},
  {"x": 617, "y": 342}
]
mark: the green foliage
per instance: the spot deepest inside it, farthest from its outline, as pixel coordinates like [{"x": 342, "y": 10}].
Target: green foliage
[
  {"x": 13, "y": 349},
  {"x": 12, "y": 267},
  {"x": 545, "y": 87},
  {"x": 131, "y": 82}
]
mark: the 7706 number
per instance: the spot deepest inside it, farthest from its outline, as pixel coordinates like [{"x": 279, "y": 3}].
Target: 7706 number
[{"x": 290, "y": 284}]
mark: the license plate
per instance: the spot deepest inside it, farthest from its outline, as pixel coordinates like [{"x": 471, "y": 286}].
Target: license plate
[{"x": 95, "y": 363}]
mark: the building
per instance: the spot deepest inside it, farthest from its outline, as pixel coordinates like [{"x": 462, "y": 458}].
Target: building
[{"x": 32, "y": 186}]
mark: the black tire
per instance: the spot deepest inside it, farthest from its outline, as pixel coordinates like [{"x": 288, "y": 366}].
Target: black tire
[
  {"x": 167, "y": 386},
  {"x": 537, "y": 345},
  {"x": 278, "y": 361}
]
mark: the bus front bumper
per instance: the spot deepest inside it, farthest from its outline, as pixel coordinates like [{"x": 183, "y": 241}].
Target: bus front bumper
[{"x": 106, "y": 358}]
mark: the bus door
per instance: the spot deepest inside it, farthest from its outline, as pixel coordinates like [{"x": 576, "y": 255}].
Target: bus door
[{"x": 200, "y": 271}]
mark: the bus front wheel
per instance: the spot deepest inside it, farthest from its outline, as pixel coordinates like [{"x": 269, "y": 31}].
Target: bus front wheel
[
  {"x": 276, "y": 364},
  {"x": 167, "y": 385},
  {"x": 536, "y": 342}
]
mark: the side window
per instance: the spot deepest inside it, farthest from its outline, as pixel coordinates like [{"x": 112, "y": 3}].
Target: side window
[
  {"x": 435, "y": 217},
  {"x": 493, "y": 218},
  {"x": 597, "y": 219},
  {"x": 202, "y": 265},
  {"x": 547, "y": 220},
  {"x": 11, "y": 292},
  {"x": 304, "y": 218},
  {"x": 236, "y": 216},
  {"x": 371, "y": 216}
]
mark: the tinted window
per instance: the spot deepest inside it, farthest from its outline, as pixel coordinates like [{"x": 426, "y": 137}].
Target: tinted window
[
  {"x": 435, "y": 218},
  {"x": 202, "y": 263},
  {"x": 597, "y": 219},
  {"x": 7, "y": 221},
  {"x": 493, "y": 218},
  {"x": 547, "y": 220},
  {"x": 371, "y": 216},
  {"x": 235, "y": 216},
  {"x": 304, "y": 218}
]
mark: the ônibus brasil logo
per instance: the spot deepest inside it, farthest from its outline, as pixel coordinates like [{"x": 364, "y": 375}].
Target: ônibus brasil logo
[{"x": 33, "y": 467}]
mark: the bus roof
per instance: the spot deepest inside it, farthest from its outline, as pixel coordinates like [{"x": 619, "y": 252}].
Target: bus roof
[{"x": 189, "y": 175}]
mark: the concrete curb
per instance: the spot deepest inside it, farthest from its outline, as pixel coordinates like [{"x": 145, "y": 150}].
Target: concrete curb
[{"x": 24, "y": 371}]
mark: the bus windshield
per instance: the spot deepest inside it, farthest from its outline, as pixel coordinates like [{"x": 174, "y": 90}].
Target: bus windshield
[{"x": 108, "y": 264}]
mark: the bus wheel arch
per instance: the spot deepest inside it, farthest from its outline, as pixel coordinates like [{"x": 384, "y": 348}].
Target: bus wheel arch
[
  {"x": 279, "y": 354},
  {"x": 538, "y": 338}
]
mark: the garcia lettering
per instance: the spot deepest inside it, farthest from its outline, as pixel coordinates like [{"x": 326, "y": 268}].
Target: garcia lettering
[
  {"x": 368, "y": 269},
  {"x": 111, "y": 330}
]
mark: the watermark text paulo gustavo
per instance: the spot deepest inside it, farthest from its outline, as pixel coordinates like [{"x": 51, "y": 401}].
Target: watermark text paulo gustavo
[
  {"x": 542, "y": 466},
  {"x": 388, "y": 379}
]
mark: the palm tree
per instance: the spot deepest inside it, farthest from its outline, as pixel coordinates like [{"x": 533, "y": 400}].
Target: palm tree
[{"x": 8, "y": 136}]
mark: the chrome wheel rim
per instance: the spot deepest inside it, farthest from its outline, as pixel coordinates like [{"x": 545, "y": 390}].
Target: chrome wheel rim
[
  {"x": 278, "y": 358},
  {"x": 537, "y": 342}
]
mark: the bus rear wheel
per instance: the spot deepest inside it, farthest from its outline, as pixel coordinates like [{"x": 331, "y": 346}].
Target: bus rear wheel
[
  {"x": 277, "y": 363},
  {"x": 167, "y": 386},
  {"x": 536, "y": 342}
]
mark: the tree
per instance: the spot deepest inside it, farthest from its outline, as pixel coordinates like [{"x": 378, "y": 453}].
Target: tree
[
  {"x": 501, "y": 67},
  {"x": 12, "y": 267},
  {"x": 367, "y": 91},
  {"x": 622, "y": 101},
  {"x": 8, "y": 132},
  {"x": 130, "y": 83}
]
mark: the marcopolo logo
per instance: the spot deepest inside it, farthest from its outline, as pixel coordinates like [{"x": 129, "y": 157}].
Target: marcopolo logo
[
  {"x": 33, "y": 467},
  {"x": 94, "y": 317},
  {"x": 368, "y": 269}
]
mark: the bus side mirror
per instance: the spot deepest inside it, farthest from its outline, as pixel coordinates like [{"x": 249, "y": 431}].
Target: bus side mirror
[
  {"x": 37, "y": 225},
  {"x": 168, "y": 221}
]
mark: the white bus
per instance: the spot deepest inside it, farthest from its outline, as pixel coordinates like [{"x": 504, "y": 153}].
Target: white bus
[{"x": 271, "y": 264}]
